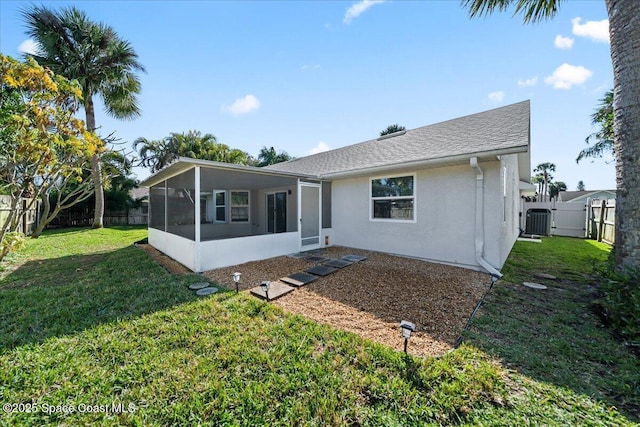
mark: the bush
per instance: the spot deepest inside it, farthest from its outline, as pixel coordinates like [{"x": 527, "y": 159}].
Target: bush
[
  {"x": 12, "y": 241},
  {"x": 621, "y": 301}
]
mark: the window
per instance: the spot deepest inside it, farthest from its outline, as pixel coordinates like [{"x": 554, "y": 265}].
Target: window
[
  {"x": 221, "y": 205},
  {"x": 239, "y": 206},
  {"x": 393, "y": 198}
]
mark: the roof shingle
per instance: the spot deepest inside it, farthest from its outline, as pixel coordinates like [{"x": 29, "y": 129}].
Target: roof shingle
[{"x": 505, "y": 128}]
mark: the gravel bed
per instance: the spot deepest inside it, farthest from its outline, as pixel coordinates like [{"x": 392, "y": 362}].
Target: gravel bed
[{"x": 370, "y": 298}]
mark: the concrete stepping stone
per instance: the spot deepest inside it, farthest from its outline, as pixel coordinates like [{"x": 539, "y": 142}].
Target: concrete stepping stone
[
  {"x": 321, "y": 270},
  {"x": 534, "y": 285},
  {"x": 299, "y": 279},
  {"x": 317, "y": 258},
  {"x": 200, "y": 285},
  {"x": 276, "y": 290},
  {"x": 337, "y": 263},
  {"x": 299, "y": 255},
  {"x": 206, "y": 291},
  {"x": 545, "y": 276},
  {"x": 354, "y": 258}
]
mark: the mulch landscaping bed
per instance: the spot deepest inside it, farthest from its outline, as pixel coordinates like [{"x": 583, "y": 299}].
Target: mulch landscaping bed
[
  {"x": 168, "y": 263},
  {"x": 370, "y": 298}
]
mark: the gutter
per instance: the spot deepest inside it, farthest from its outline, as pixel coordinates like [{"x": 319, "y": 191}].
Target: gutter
[{"x": 479, "y": 228}]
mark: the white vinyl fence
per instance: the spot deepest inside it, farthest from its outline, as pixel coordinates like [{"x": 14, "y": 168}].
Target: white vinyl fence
[{"x": 594, "y": 220}]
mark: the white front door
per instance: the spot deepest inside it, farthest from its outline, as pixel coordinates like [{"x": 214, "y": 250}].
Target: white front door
[{"x": 310, "y": 215}]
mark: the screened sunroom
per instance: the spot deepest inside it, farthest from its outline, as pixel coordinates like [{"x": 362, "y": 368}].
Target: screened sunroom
[{"x": 208, "y": 215}]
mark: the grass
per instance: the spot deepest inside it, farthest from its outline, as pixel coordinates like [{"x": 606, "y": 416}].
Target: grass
[
  {"x": 87, "y": 319},
  {"x": 555, "y": 336}
]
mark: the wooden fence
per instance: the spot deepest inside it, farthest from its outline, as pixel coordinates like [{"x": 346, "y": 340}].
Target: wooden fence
[
  {"x": 602, "y": 221},
  {"x": 28, "y": 218}
]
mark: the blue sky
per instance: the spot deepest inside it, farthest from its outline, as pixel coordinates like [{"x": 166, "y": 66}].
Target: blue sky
[{"x": 308, "y": 76}]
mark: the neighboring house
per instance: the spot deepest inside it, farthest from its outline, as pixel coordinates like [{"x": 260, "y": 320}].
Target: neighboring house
[
  {"x": 583, "y": 196},
  {"x": 448, "y": 192}
]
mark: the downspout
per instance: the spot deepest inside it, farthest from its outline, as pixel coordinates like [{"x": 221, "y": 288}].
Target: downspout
[{"x": 479, "y": 229}]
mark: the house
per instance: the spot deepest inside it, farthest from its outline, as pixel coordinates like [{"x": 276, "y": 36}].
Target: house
[
  {"x": 583, "y": 196},
  {"x": 448, "y": 193}
]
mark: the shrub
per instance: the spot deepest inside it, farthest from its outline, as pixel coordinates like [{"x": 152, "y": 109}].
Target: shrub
[
  {"x": 12, "y": 241},
  {"x": 621, "y": 301}
]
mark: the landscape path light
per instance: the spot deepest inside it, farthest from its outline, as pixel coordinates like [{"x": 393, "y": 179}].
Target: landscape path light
[
  {"x": 265, "y": 287},
  {"x": 236, "y": 279},
  {"x": 407, "y": 328}
]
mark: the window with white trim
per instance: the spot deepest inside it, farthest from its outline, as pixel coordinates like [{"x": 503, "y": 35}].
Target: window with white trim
[
  {"x": 393, "y": 198},
  {"x": 239, "y": 206},
  {"x": 220, "y": 198}
]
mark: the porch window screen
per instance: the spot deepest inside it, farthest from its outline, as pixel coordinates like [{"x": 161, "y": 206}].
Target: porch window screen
[
  {"x": 156, "y": 203},
  {"x": 221, "y": 205},
  {"x": 239, "y": 206},
  {"x": 181, "y": 212},
  {"x": 393, "y": 198}
]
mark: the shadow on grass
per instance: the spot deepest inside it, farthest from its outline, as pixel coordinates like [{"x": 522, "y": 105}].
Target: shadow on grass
[
  {"x": 554, "y": 335},
  {"x": 57, "y": 296}
]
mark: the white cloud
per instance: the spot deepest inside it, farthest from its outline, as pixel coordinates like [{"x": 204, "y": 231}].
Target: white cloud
[
  {"x": 528, "y": 82},
  {"x": 29, "y": 46},
  {"x": 595, "y": 30},
  {"x": 566, "y": 76},
  {"x": 321, "y": 147},
  {"x": 242, "y": 105},
  {"x": 563, "y": 42},
  {"x": 358, "y": 9},
  {"x": 497, "y": 96}
]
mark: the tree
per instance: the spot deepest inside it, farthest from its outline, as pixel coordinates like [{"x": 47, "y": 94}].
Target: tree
[
  {"x": 156, "y": 154},
  {"x": 602, "y": 139},
  {"x": 269, "y": 156},
  {"x": 92, "y": 53},
  {"x": 555, "y": 188},
  {"x": 43, "y": 147},
  {"x": 392, "y": 129},
  {"x": 544, "y": 170},
  {"x": 624, "y": 34},
  {"x": 580, "y": 186}
]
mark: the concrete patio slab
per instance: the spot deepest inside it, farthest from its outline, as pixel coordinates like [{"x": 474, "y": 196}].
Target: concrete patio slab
[
  {"x": 337, "y": 263},
  {"x": 354, "y": 258},
  {"x": 317, "y": 258},
  {"x": 321, "y": 270},
  {"x": 299, "y": 255},
  {"x": 276, "y": 290},
  {"x": 299, "y": 279}
]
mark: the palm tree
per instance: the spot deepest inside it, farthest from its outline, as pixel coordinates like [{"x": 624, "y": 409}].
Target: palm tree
[
  {"x": 624, "y": 34},
  {"x": 543, "y": 170},
  {"x": 73, "y": 46},
  {"x": 269, "y": 156},
  {"x": 392, "y": 129},
  {"x": 156, "y": 154},
  {"x": 602, "y": 117}
]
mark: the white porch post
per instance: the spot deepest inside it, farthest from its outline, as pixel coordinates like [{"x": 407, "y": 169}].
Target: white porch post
[
  {"x": 197, "y": 220},
  {"x": 299, "y": 199}
]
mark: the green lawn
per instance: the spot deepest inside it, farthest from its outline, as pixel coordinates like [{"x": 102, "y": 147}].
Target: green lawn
[{"x": 87, "y": 321}]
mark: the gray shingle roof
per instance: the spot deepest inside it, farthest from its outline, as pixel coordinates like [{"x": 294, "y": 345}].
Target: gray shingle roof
[{"x": 504, "y": 129}]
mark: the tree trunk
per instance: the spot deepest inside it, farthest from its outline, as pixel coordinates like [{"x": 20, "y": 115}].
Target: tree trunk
[
  {"x": 96, "y": 166},
  {"x": 624, "y": 32},
  {"x": 46, "y": 207}
]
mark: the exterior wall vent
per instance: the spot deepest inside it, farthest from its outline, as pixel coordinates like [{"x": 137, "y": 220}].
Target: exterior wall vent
[{"x": 391, "y": 135}]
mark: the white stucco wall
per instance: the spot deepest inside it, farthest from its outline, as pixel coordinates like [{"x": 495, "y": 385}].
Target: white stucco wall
[
  {"x": 227, "y": 252},
  {"x": 444, "y": 227},
  {"x": 178, "y": 248},
  {"x": 510, "y": 229}
]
